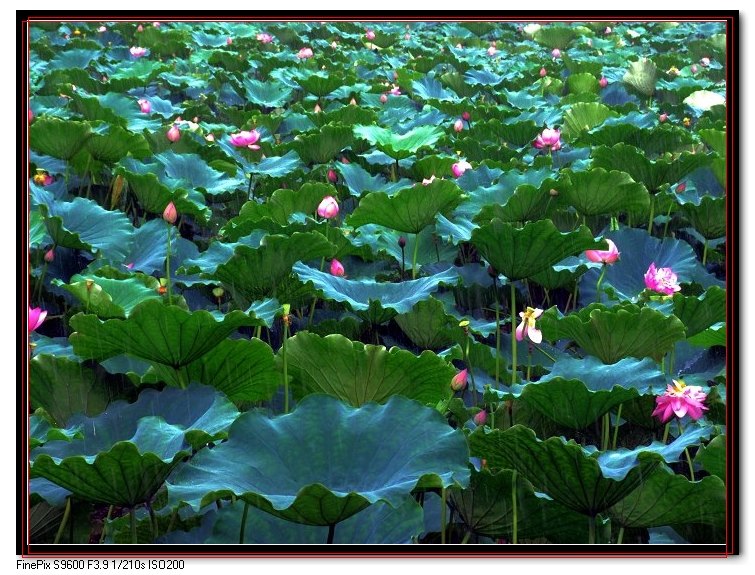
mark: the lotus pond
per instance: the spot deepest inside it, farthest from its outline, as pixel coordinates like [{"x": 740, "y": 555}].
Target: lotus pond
[{"x": 377, "y": 282}]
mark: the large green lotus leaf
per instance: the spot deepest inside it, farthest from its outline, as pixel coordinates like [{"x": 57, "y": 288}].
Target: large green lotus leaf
[
  {"x": 357, "y": 373},
  {"x": 652, "y": 139},
  {"x": 63, "y": 387},
  {"x": 598, "y": 192},
  {"x": 584, "y": 116},
  {"x": 155, "y": 331},
  {"x": 278, "y": 166},
  {"x": 664, "y": 170},
  {"x": 109, "y": 143},
  {"x": 58, "y": 138},
  {"x": 527, "y": 203},
  {"x": 641, "y": 77},
  {"x": 323, "y": 145},
  {"x": 136, "y": 74},
  {"x": 667, "y": 498},
  {"x": 110, "y": 298},
  {"x": 486, "y": 508},
  {"x": 244, "y": 370},
  {"x": 704, "y": 100},
  {"x": 713, "y": 457},
  {"x": 563, "y": 273},
  {"x": 218, "y": 253},
  {"x": 427, "y": 325},
  {"x": 379, "y": 302},
  {"x": 253, "y": 274},
  {"x": 709, "y": 217},
  {"x": 555, "y": 36},
  {"x": 613, "y": 333},
  {"x": 714, "y": 335},
  {"x": 377, "y": 524},
  {"x": 638, "y": 250},
  {"x": 410, "y": 210},
  {"x": 359, "y": 180},
  {"x": 716, "y": 140},
  {"x": 320, "y": 84},
  {"x": 83, "y": 224},
  {"x": 126, "y": 453},
  {"x": 640, "y": 374},
  {"x": 191, "y": 172},
  {"x": 701, "y": 312},
  {"x": 285, "y": 202},
  {"x": 351, "y": 462},
  {"x": 430, "y": 88},
  {"x": 40, "y": 431},
  {"x": 268, "y": 94},
  {"x": 582, "y": 83},
  {"x": 399, "y": 146},
  {"x": 346, "y": 115},
  {"x": 520, "y": 253}
]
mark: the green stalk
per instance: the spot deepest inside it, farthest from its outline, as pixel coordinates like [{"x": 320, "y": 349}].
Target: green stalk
[
  {"x": 285, "y": 368},
  {"x": 63, "y": 522},
  {"x": 258, "y": 332},
  {"x": 652, "y": 215},
  {"x": 134, "y": 538},
  {"x": 469, "y": 367},
  {"x": 686, "y": 452},
  {"x": 467, "y": 535},
  {"x": 605, "y": 431},
  {"x": 545, "y": 353},
  {"x": 668, "y": 220},
  {"x": 331, "y": 533},
  {"x": 514, "y": 510},
  {"x": 167, "y": 265},
  {"x": 153, "y": 521},
  {"x": 414, "y": 256},
  {"x": 443, "y": 497},
  {"x": 620, "y": 537},
  {"x": 513, "y": 334},
  {"x": 104, "y": 524},
  {"x": 600, "y": 281},
  {"x": 616, "y": 427},
  {"x": 41, "y": 283},
  {"x": 705, "y": 252},
  {"x": 243, "y": 522},
  {"x": 497, "y": 336},
  {"x": 665, "y": 433},
  {"x": 591, "y": 526}
]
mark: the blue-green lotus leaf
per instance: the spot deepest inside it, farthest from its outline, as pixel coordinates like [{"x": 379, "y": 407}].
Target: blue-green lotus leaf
[
  {"x": 427, "y": 325},
  {"x": 713, "y": 457},
  {"x": 708, "y": 217},
  {"x": 190, "y": 171},
  {"x": 268, "y": 94},
  {"x": 701, "y": 312},
  {"x": 108, "y": 297},
  {"x": 278, "y": 166},
  {"x": 598, "y": 192},
  {"x": 219, "y": 253},
  {"x": 373, "y": 300},
  {"x": 357, "y": 373},
  {"x": 399, "y": 146},
  {"x": 584, "y": 116},
  {"x": 351, "y": 461},
  {"x": 319, "y": 84},
  {"x": 429, "y": 88},
  {"x": 640, "y": 374},
  {"x": 359, "y": 180}
]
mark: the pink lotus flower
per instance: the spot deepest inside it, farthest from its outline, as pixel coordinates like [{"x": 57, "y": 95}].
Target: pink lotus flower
[
  {"x": 428, "y": 181},
  {"x": 608, "y": 256},
  {"x": 328, "y": 208},
  {"x": 693, "y": 68},
  {"x": 460, "y": 167},
  {"x": 383, "y": 98},
  {"x": 492, "y": 50},
  {"x": 459, "y": 381},
  {"x": 407, "y": 36},
  {"x": 36, "y": 317},
  {"x": 50, "y": 255},
  {"x": 603, "y": 81},
  {"x": 548, "y": 138},
  {"x": 42, "y": 178},
  {"x": 680, "y": 188},
  {"x": 246, "y": 139},
  {"x": 527, "y": 325},
  {"x": 264, "y": 37},
  {"x": 210, "y": 137},
  {"x": 556, "y": 53},
  {"x": 705, "y": 61},
  {"x": 336, "y": 268},
  {"x": 661, "y": 280},
  {"x": 352, "y": 102},
  {"x": 345, "y": 160},
  {"x": 145, "y": 106},
  {"x": 680, "y": 400},
  {"x": 156, "y": 24},
  {"x": 543, "y": 72},
  {"x": 332, "y": 176},
  {"x": 317, "y": 109},
  {"x": 458, "y": 126},
  {"x": 229, "y": 41},
  {"x": 466, "y": 116},
  {"x": 174, "y": 134},
  {"x": 334, "y": 44},
  {"x": 137, "y": 51},
  {"x": 662, "y": 118},
  {"x": 129, "y": 266},
  {"x": 304, "y": 53},
  {"x": 170, "y": 214},
  {"x": 370, "y": 34},
  {"x": 140, "y": 28},
  {"x": 481, "y": 417},
  {"x": 102, "y": 29},
  {"x": 607, "y": 30},
  {"x": 395, "y": 91}
]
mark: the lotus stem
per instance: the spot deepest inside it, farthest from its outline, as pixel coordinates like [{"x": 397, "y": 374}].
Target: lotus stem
[
  {"x": 513, "y": 333},
  {"x": 63, "y": 522},
  {"x": 668, "y": 220},
  {"x": 616, "y": 426},
  {"x": 258, "y": 332},
  {"x": 471, "y": 371},
  {"x": 600, "y": 281},
  {"x": 665, "y": 433},
  {"x": 132, "y": 514},
  {"x": 591, "y": 529},
  {"x": 104, "y": 523},
  {"x": 40, "y": 284},
  {"x": 497, "y": 336},
  {"x": 153, "y": 521},
  {"x": 529, "y": 363},
  {"x": 173, "y": 517},
  {"x": 243, "y": 522},
  {"x": 467, "y": 535},
  {"x": 312, "y": 311},
  {"x": 705, "y": 252},
  {"x": 414, "y": 256},
  {"x": 331, "y": 533},
  {"x": 514, "y": 510},
  {"x": 285, "y": 367},
  {"x": 606, "y": 430},
  {"x": 443, "y": 506},
  {"x": 167, "y": 266},
  {"x": 249, "y": 192},
  {"x": 652, "y": 215},
  {"x": 620, "y": 537},
  {"x": 686, "y": 452},
  {"x": 403, "y": 262}
]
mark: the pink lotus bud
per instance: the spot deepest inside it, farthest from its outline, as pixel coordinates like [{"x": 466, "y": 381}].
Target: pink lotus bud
[
  {"x": 174, "y": 134},
  {"x": 608, "y": 256},
  {"x": 401, "y": 242},
  {"x": 543, "y": 72},
  {"x": 603, "y": 82},
  {"x": 548, "y": 138},
  {"x": 137, "y": 51},
  {"x": 395, "y": 75},
  {"x": 210, "y": 137},
  {"x": 31, "y": 115},
  {"x": 229, "y": 41},
  {"x": 460, "y": 167},
  {"x": 466, "y": 116},
  {"x": 36, "y": 317},
  {"x": 170, "y": 214},
  {"x": 50, "y": 255},
  {"x": 129, "y": 266},
  {"x": 334, "y": 44},
  {"x": 140, "y": 28},
  {"x": 332, "y": 176},
  {"x": 145, "y": 106},
  {"x": 681, "y": 187},
  {"x": 693, "y": 68},
  {"x": 336, "y": 268},
  {"x": 317, "y": 109},
  {"x": 481, "y": 418},
  {"x": 458, "y": 126},
  {"x": 459, "y": 46},
  {"x": 607, "y": 30},
  {"x": 383, "y": 98},
  {"x": 352, "y": 102},
  {"x": 556, "y": 53},
  {"x": 459, "y": 381},
  {"x": 663, "y": 117},
  {"x": 345, "y": 160},
  {"x": 304, "y": 53},
  {"x": 328, "y": 208},
  {"x": 705, "y": 62},
  {"x": 156, "y": 24},
  {"x": 370, "y": 35}
]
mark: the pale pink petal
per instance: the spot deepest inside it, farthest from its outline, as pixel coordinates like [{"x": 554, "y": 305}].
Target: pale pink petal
[{"x": 535, "y": 335}]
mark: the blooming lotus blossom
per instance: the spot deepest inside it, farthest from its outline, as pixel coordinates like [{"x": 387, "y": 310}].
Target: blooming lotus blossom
[
  {"x": 328, "y": 208},
  {"x": 395, "y": 91},
  {"x": 548, "y": 138},
  {"x": 336, "y": 268},
  {"x": 459, "y": 381},
  {"x": 460, "y": 167},
  {"x": 304, "y": 53},
  {"x": 458, "y": 125},
  {"x": 174, "y": 134},
  {"x": 137, "y": 51},
  {"x": 264, "y": 37},
  {"x": 608, "y": 256},
  {"x": 481, "y": 417},
  {"x": 556, "y": 53},
  {"x": 673, "y": 71},
  {"x": 686, "y": 122},
  {"x": 332, "y": 176},
  {"x": 370, "y": 34},
  {"x": 140, "y": 28},
  {"x": 170, "y": 214},
  {"x": 36, "y": 317},
  {"x": 661, "y": 280},
  {"x": 145, "y": 106},
  {"x": 156, "y": 24},
  {"x": 705, "y": 61},
  {"x": 603, "y": 81},
  {"x": 527, "y": 325},
  {"x": 680, "y": 400},
  {"x": 543, "y": 72},
  {"x": 246, "y": 139},
  {"x": 428, "y": 181}
]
